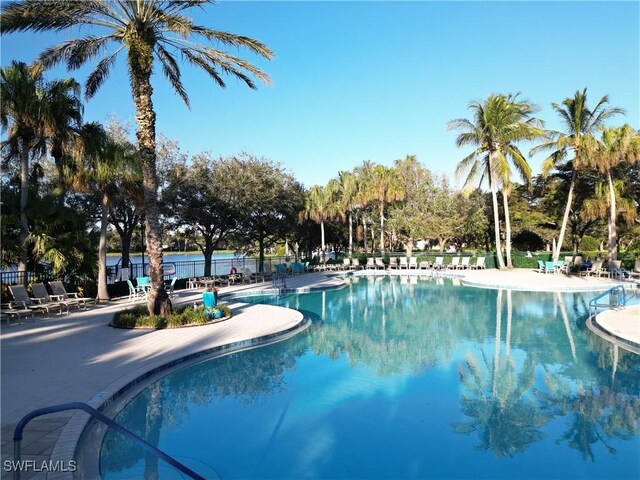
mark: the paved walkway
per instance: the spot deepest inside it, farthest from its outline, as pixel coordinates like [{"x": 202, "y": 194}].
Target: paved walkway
[
  {"x": 622, "y": 324},
  {"x": 77, "y": 357}
]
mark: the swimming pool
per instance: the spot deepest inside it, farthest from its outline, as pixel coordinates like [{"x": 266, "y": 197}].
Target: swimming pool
[{"x": 401, "y": 378}]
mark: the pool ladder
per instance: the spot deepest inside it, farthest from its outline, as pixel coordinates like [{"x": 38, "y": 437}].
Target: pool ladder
[
  {"x": 17, "y": 435},
  {"x": 617, "y": 297},
  {"x": 279, "y": 281}
]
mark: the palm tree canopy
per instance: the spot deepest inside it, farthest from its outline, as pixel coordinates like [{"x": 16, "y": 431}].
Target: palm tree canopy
[
  {"x": 497, "y": 124},
  {"x": 580, "y": 122},
  {"x": 156, "y": 25},
  {"x": 319, "y": 203}
]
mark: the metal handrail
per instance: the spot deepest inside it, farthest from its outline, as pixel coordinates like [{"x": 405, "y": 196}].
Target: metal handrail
[
  {"x": 17, "y": 435},
  {"x": 620, "y": 271},
  {"x": 593, "y": 302}
]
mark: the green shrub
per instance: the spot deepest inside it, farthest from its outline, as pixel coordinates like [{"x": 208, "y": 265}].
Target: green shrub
[
  {"x": 137, "y": 317},
  {"x": 588, "y": 243}
]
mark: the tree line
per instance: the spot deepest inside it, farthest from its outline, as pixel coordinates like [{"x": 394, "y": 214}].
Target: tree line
[{"x": 591, "y": 172}]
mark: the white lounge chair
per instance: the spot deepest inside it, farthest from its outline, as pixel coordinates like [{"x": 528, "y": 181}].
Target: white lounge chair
[
  {"x": 393, "y": 263},
  {"x": 355, "y": 264},
  {"x": 464, "y": 263},
  {"x": 455, "y": 261},
  {"x": 439, "y": 263},
  {"x": 413, "y": 263},
  {"x": 424, "y": 265},
  {"x": 370, "y": 263},
  {"x": 479, "y": 264},
  {"x": 403, "y": 263},
  {"x": 379, "y": 263},
  {"x": 346, "y": 264}
]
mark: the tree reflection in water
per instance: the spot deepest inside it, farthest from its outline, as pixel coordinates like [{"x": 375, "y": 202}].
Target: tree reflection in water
[{"x": 522, "y": 360}]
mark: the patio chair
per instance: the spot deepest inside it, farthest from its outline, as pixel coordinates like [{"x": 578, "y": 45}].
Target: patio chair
[
  {"x": 635, "y": 273},
  {"x": 134, "y": 292},
  {"x": 464, "y": 263},
  {"x": 15, "y": 310},
  {"x": 393, "y": 263},
  {"x": 403, "y": 263},
  {"x": 57, "y": 287},
  {"x": 541, "y": 267},
  {"x": 594, "y": 270},
  {"x": 169, "y": 285},
  {"x": 479, "y": 264},
  {"x": 455, "y": 261},
  {"x": 561, "y": 266},
  {"x": 413, "y": 263},
  {"x": 424, "y": 265},
  {"x": 370, "y": 263},
  {"x": 379, "y": 263},
  {"x": 355, "y": 263},
  {"x": 346, "y": 264},
  {"x": 550, "y": 267},
  {"x": 439, "y": 263},
  {"x": 42, "y": 295},
  {"x": 297, "y": 268}
]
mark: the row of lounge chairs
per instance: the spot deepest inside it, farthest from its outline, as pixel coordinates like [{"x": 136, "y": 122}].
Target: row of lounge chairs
[
  {"x": 408, "y": 263},
  {"x": 595, "y": 269},
  {"x": 244, "y": 275},
  {"x": 58, "y": 301}
]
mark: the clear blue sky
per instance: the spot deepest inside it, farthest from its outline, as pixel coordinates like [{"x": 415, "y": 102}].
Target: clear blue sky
[{"x": 379, "y": 80}]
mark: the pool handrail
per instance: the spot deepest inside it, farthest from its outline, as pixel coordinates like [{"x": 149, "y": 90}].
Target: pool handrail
[
  {"x": 17, "y": 435},
  {"x": 593, "y": 302}
]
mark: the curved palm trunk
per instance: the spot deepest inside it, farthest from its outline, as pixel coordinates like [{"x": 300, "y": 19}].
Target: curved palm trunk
[
  {"x": 322, "y": 238},
  {"x": 611, "y": 224},
  {"x": 496, "y": 218},
  {"x": 350, "y": 235},
  {"x": 382, "y": 227},
  {"x": 140, "y": 66},
  {"x": 103, "y": 294},
  {"x": 24, "y": 199},
  {"x": 565, "y": 218},
  {"x": 507, "y": 221},
  {"x": 364, "y": 231}
]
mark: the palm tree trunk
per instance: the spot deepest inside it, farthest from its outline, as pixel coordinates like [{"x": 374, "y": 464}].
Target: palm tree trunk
[
  {"x": 507, "y": 221},
  {"x": 24, "y": 221},
  {"x": 364, "y": 233},
  {"x": 496, "y": 354},
  {"x": 496, "y": 219},
  {"x": 382, "y": 227},
  {"x": 322, "y": 238},
  {"x": 565, "y": 218},
  {"x": 613, "y": 229},
  {"x": 103, "y": 293},
  {"x": 140, "y": 66},
  {"x": 350, "y": 235}
]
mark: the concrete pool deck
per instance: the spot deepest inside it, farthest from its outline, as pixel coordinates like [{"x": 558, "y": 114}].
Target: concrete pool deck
[{"x": 77, "y": 357}]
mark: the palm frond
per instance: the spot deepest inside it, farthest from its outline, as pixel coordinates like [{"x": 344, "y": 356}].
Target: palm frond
[
  {"x": 75, "y": 52},
  {"x": 233, "y": 40},
  {"x": 100, "y": 74},
  {"x": 172, "y": 71}
]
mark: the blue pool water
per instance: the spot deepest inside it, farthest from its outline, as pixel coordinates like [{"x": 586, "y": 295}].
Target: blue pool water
[{"x": 400, "y": 378}]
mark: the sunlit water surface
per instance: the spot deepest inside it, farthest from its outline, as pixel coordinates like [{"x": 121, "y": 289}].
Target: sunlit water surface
[{"x": 401, "y": 378}]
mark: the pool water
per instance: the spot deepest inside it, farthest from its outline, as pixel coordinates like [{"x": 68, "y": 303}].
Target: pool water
[{"x": 401, "y": 378}]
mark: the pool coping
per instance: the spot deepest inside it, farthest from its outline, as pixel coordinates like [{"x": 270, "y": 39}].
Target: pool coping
[{"x": 66, "y": 445}]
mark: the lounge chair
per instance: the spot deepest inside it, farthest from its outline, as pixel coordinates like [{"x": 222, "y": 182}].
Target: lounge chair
[
  {"x": 635, "y": 273},
  {"x": 594, "y": 270},
  {"x": 15, "y": 310},
  {"x": 355, "y": 263},
  {"x": 455, "y": 261},
  {"x": 393, "y": 263},
  {"x": 413, "y": 263},
  {"x": 479, "y": 264},
  {"x": 380, "y": 264},
  {"x": 346, "y": 264},
  {"x": 40, "y": 292},
  {"x": 550, "y": 267},
  {"x": 541, "y": 267},
  {"x": 562, "y": 266},
  {"x": 296, "y": 268},
  {"x": 370, "y": 263},
  {"x": 424, "y": 265},
  {"x": 23, "y": 299},
  {"x": 403, "y": 263},
  {"x": 57, "y": 287},
  {"x": 439, "y": 263},
  {"x": 464, "y": 263}
]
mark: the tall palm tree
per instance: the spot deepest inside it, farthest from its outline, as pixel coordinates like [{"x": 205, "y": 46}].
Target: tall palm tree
[
  {"x": 148, "y": 30},
  {"x": 346, "y": 187},
  {"x": 580, "y": 123},
  {"x": 497, "y": 124},
  {"x": 519, "y": 125},
  {"x": 382, "y": 186},
  {"x": 320, "y": 206},
  {"x": 616, "y": 145},
  {"x": 28, "y": 105}
]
